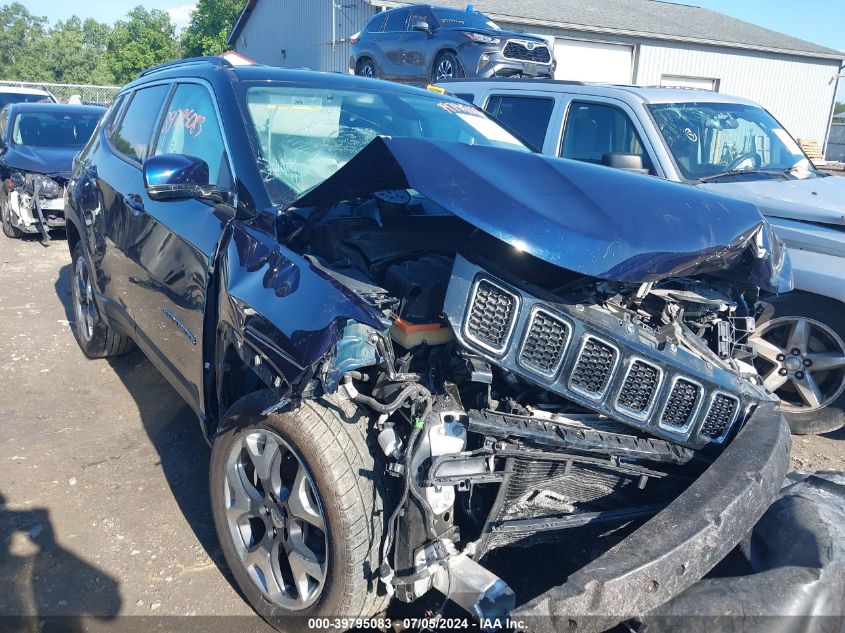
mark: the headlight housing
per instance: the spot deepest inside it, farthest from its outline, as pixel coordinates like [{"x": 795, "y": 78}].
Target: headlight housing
[
  {"x": 47, "y": 187},
  {"x": 480, "y": 38}
]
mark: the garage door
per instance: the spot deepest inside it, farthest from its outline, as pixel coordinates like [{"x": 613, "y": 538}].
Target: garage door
[
  {"x": 678, "y": 81},
  {"x": 593, "y": 61}
]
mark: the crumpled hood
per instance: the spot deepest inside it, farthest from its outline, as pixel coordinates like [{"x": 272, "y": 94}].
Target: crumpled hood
[
  {"x": 52, "y": 161},
  {"x": 585, "y": 218},
  {"x": 809, "y": 199}
]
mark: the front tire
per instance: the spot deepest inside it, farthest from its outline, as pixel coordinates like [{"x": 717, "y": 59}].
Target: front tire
[
  {"x": 9, "y": 230},
  {"x": 800, "y": 345},
  {"x": 446, "y": 66},
  {"x": 298, "y": 508},
  {"x": 95, "y": 336}
]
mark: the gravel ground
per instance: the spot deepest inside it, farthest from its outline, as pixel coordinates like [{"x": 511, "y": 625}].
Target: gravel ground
[
  {"x": 103, "y": 471},
  {"x": 104, "y": 505}
]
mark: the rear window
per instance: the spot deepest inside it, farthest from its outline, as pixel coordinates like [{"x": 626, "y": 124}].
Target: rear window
[
  {"x": 396, "y": 20},
  {"x": 376, "y": 24},
  {"x": 23, "y": 97},
  {"x": 131, "y": 136},
  {"x": 54, "y": 129},
  {"x": 527, "y": 116}
]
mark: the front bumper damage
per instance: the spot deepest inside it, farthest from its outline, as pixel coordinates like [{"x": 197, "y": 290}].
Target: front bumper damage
[{"x": 678, "y": 546}]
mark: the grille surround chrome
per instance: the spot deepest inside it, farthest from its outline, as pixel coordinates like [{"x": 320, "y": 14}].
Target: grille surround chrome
[
  {"x": 609, "y": 382},
  {"x": 676, "y": 362},
  {"x": 710, "y": 402},
  {"x": 513, "y": 321},
  {"x": 655, "y": 392},
  {"x": 539, "y": 310},
  {"x": 696, "y": 410},
  {"x": 534, "y": 50}
]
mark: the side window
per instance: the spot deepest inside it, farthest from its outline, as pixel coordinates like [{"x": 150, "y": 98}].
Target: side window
[
  {"x": 131, "y": 136},
  {"x": 376, "y": 24},
  {"x": 4, "y": 121},
  {"x": 396, "y": 20},
  {"x": 527, "y": 116},
  {"x": 421, "y": 14},
  {"x": 190, "y": 127},
  {"x": 114, "y": 113},
  {"x": 594, "y": 129}
]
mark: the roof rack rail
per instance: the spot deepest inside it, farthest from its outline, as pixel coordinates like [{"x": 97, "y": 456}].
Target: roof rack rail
[{"x": 217, "y": 60}]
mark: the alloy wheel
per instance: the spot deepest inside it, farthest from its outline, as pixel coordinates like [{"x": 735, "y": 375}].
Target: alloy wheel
[
  {"x": 85, "y": 309},
  {"x": 445, "y": 69},
  {"x": 802, "y": 361},
  {"x": 276, "y": 519},
  {"x": 367, "y": 71}
]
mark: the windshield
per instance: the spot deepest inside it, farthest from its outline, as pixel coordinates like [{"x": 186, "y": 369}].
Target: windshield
[
  {"x": 23, "y": 97},
  {"x": 306, "y": 134},
  {"x": 463, "y": 19},
  {"x": 54, "y": 129},
  {"x": 707, "y": 139}
]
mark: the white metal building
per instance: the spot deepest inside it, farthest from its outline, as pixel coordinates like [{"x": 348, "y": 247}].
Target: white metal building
[{"x": 644, "y": 42}]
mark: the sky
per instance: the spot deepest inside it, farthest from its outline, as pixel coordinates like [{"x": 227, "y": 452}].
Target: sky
[{"x": 818, "y": 21}]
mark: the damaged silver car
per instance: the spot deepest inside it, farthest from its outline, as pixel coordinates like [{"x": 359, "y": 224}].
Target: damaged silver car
[{"x": 37, "y": 144}]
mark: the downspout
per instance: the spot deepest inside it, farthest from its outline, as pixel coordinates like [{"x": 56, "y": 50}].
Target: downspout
[{"x": 832, "y": 109}]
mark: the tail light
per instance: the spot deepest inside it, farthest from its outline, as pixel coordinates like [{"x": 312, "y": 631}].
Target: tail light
[{"x": 355, "y": 38}]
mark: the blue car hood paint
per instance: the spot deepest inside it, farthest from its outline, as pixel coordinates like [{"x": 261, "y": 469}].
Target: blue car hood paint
[
  {"x": 52, "y": 161},
  {"x": 586, "y": 218}
]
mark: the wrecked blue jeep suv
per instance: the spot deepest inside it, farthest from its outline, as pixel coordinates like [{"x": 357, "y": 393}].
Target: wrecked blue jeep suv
[{"x": 417, "y": 346}]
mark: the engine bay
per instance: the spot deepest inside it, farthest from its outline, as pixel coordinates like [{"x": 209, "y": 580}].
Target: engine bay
[{"x": 515, "y": 401}]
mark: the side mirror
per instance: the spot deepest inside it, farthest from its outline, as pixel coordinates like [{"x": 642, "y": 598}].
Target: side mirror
[
  {"x": 175, "y": 176},
  {"x": 626, "y": 162},
  {"x": 421, "y": 25}
]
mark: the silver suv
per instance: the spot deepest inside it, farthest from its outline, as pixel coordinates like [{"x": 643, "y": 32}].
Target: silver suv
[{"x": 736, "y": 148}]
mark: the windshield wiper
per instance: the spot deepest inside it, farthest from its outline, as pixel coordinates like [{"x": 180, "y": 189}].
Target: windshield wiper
[{"x": 741, "y": 172}]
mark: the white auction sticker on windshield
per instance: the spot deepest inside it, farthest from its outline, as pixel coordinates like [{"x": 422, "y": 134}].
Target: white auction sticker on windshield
[
  {"x": 489, "y": 129},
  {"x": 787, "y": 140}
]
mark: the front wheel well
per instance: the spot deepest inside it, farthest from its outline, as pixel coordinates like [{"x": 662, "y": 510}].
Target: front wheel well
[{"x": 73, "y": 236}]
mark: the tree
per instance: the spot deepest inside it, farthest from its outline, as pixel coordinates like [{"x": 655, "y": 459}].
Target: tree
[
  {"x": 20, "y": 32},
  {"x": 74, "y": 52},
  {"x": 144, "y": 39},
  {"x": 839, "y": 107},
  {"x": 211, "y": 23}
]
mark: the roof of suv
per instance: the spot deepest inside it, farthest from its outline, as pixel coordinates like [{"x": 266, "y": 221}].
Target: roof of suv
[
  {"x": 645, "y": 94},
  {"x": 204, "y": 67}
]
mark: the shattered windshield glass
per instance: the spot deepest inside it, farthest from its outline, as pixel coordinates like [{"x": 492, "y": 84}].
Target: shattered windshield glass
[
  {"x": 306, "y": 134},
  {"x": 710, "y": 139}
]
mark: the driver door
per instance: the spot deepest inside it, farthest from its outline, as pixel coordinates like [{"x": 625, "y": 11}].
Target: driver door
[{"x": 177, "y": 242}]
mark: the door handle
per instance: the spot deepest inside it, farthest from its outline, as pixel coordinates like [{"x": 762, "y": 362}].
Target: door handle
[{"x": 134, "y": 202}]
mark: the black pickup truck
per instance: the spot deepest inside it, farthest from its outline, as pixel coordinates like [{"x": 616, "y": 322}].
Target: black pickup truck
[{"x": 415, "y": 345}]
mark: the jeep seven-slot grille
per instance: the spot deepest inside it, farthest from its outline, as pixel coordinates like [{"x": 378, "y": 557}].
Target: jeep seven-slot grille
[
  {"x": 544, "y": 344},
  {"x": 721, "y": 413},
  {"x": 491, "y": 316},
  {"x": 539, "y": 54},
  {"x": 681, "y": 404},
  {"x": 594, "y": 367},
  {"x": 639, "y": 387}
]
